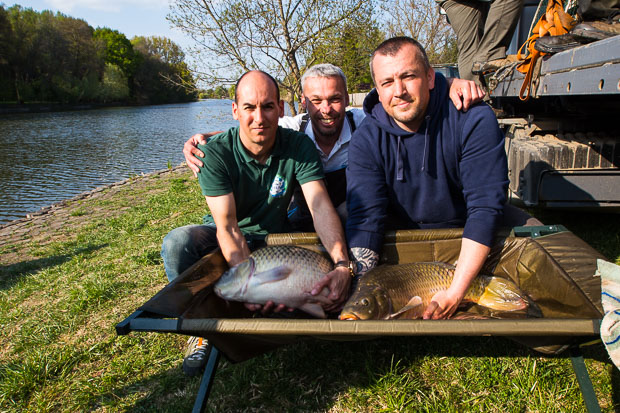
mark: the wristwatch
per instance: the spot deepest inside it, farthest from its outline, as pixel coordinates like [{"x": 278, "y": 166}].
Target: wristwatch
[{"x": 347, "y": 264}]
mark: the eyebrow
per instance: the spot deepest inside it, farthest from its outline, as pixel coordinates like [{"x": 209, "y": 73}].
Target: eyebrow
[
  {"x": 253, "y": 105},
  {"x": 335, "y": 95}
]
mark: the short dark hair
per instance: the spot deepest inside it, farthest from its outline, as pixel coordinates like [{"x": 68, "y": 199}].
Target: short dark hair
[
  {"x": 275, "y": 83},
  {"x": 391, "y": 47}
]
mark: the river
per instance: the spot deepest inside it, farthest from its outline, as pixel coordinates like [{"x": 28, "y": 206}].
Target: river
[{"x": 48, "y": 157}]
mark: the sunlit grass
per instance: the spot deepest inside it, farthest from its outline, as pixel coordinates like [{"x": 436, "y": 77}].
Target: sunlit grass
[{"x": 62, "y": 294}]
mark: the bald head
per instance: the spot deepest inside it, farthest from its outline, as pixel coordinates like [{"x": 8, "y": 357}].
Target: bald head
[
  {"x": 257, "y": 107},
  {"x": 252, "y": 76}
]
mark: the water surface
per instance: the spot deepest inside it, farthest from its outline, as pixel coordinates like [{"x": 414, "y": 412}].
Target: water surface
[{"x": 48, "y": 157}]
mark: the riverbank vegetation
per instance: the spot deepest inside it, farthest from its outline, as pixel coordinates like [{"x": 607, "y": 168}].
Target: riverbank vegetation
[
  {"x": 47, "y": 57},
  {"x": 69, "y": 276},
  {"x": 284, "y": 37}
]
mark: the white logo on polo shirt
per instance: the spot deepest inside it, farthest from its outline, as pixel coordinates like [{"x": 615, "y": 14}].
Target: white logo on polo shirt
[{"x": 278, "y": 187}]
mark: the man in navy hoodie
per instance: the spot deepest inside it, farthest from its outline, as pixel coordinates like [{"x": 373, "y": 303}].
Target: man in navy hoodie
[{"x": 419, "y": 161}]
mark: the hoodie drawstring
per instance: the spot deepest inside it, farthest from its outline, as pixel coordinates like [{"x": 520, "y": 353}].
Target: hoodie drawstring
[
  {"x": 426, "y": 144},
  {"x": 399, "y": 162}
]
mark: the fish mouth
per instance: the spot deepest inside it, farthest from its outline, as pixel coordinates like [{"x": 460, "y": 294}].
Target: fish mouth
[{"x": 348, "y": 316}]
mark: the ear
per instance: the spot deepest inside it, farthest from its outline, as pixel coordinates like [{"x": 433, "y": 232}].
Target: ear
[
  {"x": 431, "y": 78},
  {"x": 281, "y": 108},
  {"x": 235, "y": 111},
  {"x": 303, "y": 102}
]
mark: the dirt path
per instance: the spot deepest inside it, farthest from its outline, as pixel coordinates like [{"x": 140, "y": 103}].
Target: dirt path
[{"x": 59, "y": 221}]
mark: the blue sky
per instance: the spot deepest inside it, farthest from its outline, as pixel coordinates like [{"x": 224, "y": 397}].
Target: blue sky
[{"x": 131, "y": 17}]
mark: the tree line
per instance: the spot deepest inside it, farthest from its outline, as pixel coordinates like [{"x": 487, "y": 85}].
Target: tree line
[
  {"x": 284, "y": 37},
  {"x": 47, "y": 57}
]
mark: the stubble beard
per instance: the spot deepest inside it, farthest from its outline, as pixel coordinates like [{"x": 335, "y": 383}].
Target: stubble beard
[
  {"x": 328, "y": 134},
  {"x": 413, "y": 115}
]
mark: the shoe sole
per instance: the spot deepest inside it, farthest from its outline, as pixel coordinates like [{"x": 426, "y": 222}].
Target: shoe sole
[{"x": 192, "y": 371}]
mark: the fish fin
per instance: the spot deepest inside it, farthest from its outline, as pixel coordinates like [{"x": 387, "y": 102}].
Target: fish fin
[
  {"x": 463, "y": 315},
  {"x": 503, "y": 295},
  {"x": 313, "y": 309},
  {"x": 269, "y": 276},
  {"x": 415, "y": 302}
]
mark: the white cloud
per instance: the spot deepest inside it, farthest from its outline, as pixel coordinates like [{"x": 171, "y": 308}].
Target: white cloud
[{"x": 66, "y": 6}]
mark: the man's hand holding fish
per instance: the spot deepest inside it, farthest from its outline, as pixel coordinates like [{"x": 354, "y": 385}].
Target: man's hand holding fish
[{"x": 471, "y": 258}]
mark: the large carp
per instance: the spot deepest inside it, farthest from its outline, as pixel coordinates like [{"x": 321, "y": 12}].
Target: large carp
[
  {"x": 405, "y": 290},
  {"x": 284, "y": 274}
]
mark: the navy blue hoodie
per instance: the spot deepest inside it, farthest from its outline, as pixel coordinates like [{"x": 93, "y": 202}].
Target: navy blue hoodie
[{"x": 451, "y": 173}]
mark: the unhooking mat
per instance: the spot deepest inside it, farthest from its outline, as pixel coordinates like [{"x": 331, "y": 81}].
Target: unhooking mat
[{"x": 556, "y": 271}]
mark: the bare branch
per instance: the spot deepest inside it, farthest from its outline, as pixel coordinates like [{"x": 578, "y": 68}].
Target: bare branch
[{"x": 277, "y": 36}]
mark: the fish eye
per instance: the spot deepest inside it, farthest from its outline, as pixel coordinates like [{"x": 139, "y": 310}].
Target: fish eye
[{"x": 365, "y": 302}]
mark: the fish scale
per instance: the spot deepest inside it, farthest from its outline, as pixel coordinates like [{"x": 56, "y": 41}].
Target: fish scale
[
  {"x": 284, "y": 274},
  {"x": 385, "y": 290}
]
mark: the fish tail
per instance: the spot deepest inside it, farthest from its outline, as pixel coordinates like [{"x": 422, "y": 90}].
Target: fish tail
[{"x": 502, "y": 295}]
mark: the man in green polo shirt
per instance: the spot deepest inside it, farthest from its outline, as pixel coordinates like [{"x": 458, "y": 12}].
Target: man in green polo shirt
[
  {"x": 248, "y": 180},
  {"x": 261, "y": 189}
]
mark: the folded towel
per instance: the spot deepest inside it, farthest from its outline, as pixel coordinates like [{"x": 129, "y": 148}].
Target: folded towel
[{"x": 610, "y": 290}]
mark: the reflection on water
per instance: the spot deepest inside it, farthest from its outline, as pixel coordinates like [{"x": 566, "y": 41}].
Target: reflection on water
[{"x": 48, "y": 157}]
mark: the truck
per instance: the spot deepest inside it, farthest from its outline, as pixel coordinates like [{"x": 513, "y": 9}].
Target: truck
[{"x": 563, "y": 143}]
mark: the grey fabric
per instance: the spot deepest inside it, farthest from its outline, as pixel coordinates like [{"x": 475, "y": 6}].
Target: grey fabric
[{"x": 483, "y": 30}]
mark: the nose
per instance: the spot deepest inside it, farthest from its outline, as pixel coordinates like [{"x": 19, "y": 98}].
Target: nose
[
  {"x": 398, "y": 87},
  {"x": 325, "y": 107},
  {"x": 258, "y": 116}
]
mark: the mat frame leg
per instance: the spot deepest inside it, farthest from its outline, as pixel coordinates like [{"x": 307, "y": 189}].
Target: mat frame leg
[
  {"x": 200, "y": 404},
  {"x": 583, "y": 378}
]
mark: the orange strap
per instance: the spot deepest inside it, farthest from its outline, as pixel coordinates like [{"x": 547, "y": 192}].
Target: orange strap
[{"x": 554, "y": 22}]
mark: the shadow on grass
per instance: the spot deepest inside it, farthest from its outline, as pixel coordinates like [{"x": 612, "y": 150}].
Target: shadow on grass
[
  {"x": 312, "y": 374},
  {"x": 11, "y": 274},
  {"x": 615, "y": 386},
  {"x": 168, "y": 391}
]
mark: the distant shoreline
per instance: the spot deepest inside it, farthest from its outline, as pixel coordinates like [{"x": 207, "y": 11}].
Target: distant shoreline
[{"x": 14, "y": 108}]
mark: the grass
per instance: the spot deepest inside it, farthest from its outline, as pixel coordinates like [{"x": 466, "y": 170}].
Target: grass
[{"x": 63, "y": 288}]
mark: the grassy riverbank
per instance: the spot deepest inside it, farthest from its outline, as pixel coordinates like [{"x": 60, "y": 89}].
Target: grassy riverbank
[{"x": 69, "y": 275}]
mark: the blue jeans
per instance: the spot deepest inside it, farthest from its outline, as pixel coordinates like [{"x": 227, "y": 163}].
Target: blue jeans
[{"x": 184, "y": 246}]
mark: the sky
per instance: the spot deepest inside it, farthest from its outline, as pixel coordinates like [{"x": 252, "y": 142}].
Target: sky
[{"x": 130, "y": 17}]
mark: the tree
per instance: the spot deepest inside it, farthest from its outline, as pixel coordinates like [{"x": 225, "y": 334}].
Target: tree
[
  {"x": 162, "y": 76},
  {"x": 272, "y": 35},
  {"x": 51, "y": 57},
  {"x": 22, "y": 49},
  {"x": 6, "y": 42},
  {"x": 349, "y": 47},
  {"x": 57, "y": 58},
  {"x": 114, "y": 87},
  {"x": 81, "y": 64},
  {"x": 421, "y": 20},
  {"x": 163, "y": 49},
  {"x": 220, "y": 92},
  {"x": 117, "y": 49}
]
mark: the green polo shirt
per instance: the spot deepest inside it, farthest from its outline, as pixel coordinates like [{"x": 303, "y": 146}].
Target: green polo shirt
[{"x": 262, "y": 192}]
